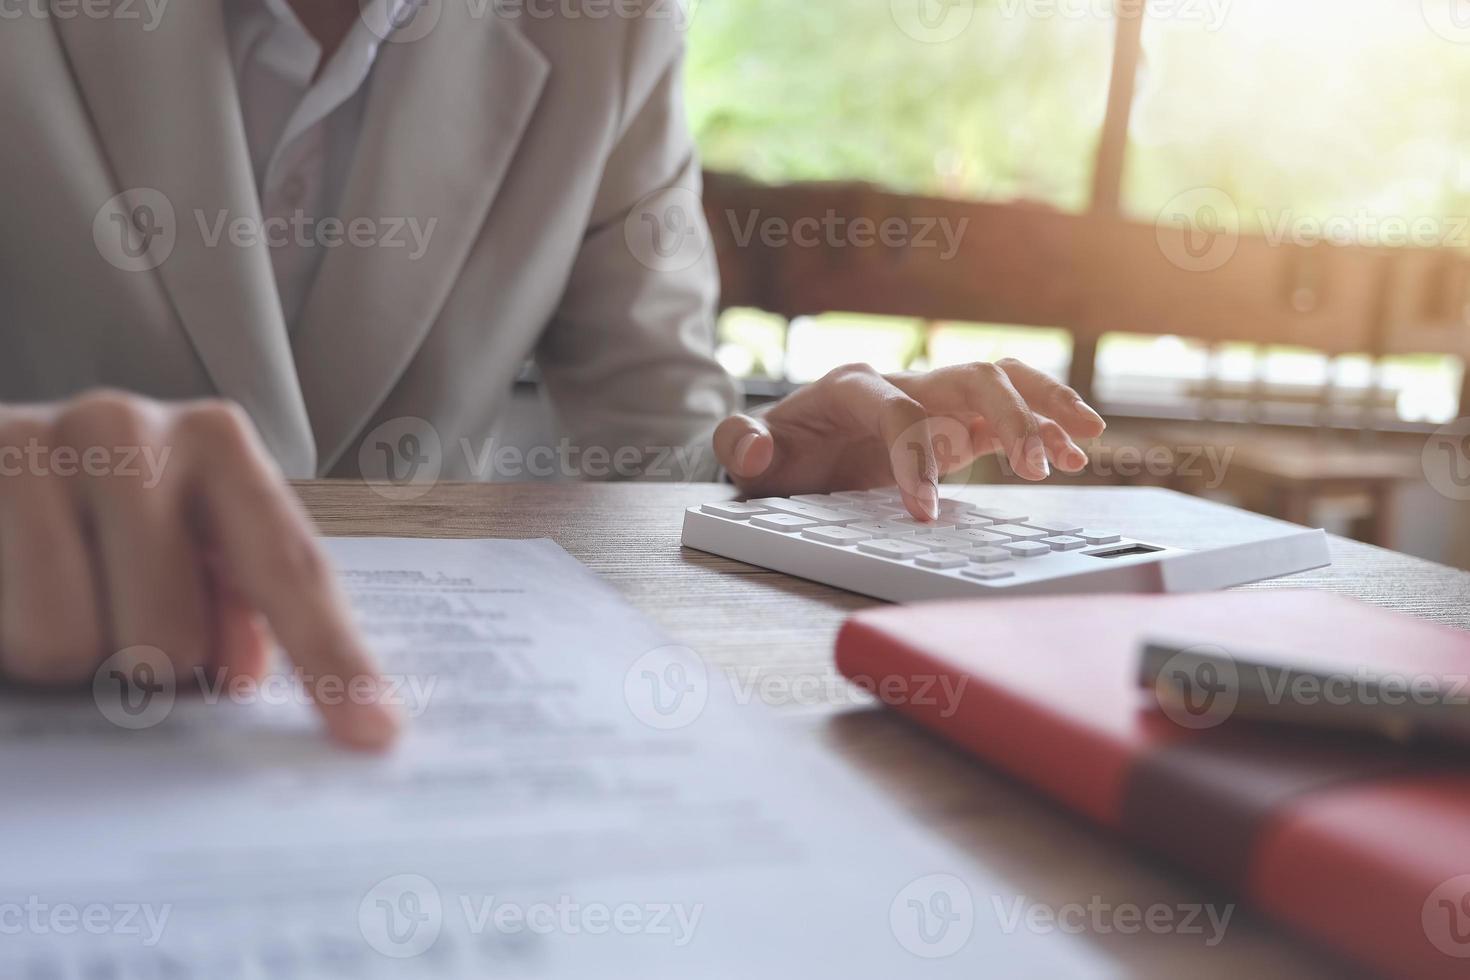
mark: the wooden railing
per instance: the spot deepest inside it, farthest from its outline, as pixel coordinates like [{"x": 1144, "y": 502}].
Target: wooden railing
[{"x": 1089, "y": 273}]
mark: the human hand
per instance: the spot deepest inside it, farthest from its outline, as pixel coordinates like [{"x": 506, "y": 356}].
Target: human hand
[
  {"x": 855, "y": 428},
  {"x": 126, "y": 522}
]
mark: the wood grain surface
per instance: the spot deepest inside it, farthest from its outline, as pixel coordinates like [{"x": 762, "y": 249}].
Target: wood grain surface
[{"x": 771, "y": 630}]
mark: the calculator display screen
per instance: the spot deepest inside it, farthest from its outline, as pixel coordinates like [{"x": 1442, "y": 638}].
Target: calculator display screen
[{"x": 1132, "y": 549}]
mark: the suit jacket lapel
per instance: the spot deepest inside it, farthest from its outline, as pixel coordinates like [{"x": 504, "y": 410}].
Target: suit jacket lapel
[
  {"x": 166, "y": 111},
  {"x": 444, "y": 116}
]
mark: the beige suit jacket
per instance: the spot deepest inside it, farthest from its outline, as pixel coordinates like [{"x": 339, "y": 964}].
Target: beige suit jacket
[{"x": 543, "y": 151}]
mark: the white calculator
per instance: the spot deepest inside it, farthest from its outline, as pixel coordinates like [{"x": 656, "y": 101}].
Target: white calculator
[{"x": 865, "y": 541}]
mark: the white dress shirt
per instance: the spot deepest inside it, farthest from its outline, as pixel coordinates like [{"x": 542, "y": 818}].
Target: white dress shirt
[{"x": 301, "y": 125}]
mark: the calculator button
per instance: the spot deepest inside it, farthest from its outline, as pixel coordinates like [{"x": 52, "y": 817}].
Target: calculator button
[
  {"x": 1025, "y": 549},
  {"x": 988, "y": 556},
  {"x": 835, "y": 535},
  {"x": 987, "y": 574},
  {"x": 920, "y": 526},
  {"x": 1019, "y": 532},
  {"x": 1064, "y": 542},
  {"x": 733, "y": 509},
  {"x": 830, "y": 515},
  {"x": 782, "y": 522},
  {"x": 941, "y": 541},
  {"x": 822, "y": 515},
  {"x": 1099, "y": 537},
  {"x": 878, "y": 511},
  {"x": 1055, "y": 527},
  {"x": 892, "y": 548},
  {"x": 977, "y": 536},
  {"x": 820, "y": 499},
  {"x": 942, "y": 559},
  {"x": 883, "y": 529},
  {"x": 1001, "y": 515}
]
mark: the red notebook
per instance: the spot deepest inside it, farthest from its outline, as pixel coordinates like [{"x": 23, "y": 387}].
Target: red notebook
[{"x": 1359, "y": 843}]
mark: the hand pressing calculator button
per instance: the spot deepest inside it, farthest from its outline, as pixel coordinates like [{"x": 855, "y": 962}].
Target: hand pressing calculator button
[{"x": 866, "y": 542}]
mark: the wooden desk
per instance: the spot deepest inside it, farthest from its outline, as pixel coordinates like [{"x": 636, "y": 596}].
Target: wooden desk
[{"x": 747, "y": 619}]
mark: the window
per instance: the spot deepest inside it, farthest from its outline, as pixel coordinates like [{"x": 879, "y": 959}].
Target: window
[
  {"x": 829, "y": 89},
  {"x": 1345, "y": 121}
]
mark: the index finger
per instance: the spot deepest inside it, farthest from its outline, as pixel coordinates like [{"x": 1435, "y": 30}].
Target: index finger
[
  {"x": 267, "y": 544},
  {"x": 886, "y": 411}
]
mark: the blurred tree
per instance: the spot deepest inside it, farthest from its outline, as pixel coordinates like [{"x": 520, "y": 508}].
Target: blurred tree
[{"x": 837, "y": 90}]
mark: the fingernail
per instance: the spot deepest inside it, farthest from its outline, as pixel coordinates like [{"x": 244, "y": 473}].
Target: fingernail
[
  {"x": 1036, "y": 456},
  {"x": 742, "y": 450},
  {"x": 928, "y": 498},
  {"x": 1088, "y": 411}
]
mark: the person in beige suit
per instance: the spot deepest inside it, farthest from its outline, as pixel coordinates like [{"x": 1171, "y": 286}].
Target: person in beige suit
[{"x": 241, "y": 236}]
